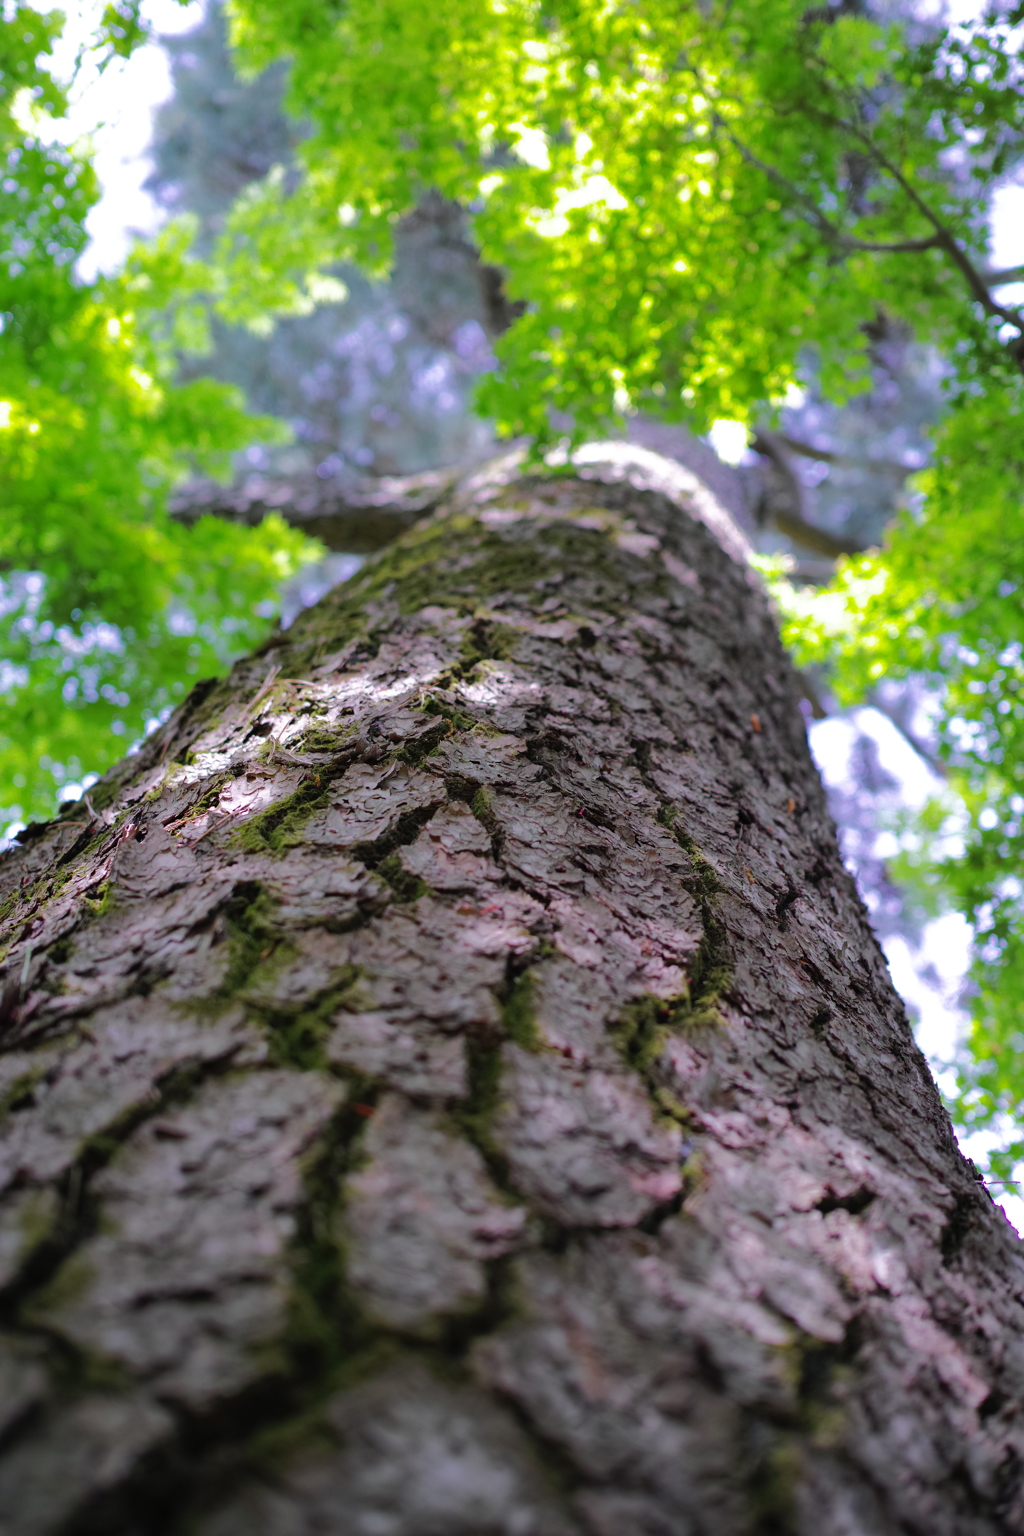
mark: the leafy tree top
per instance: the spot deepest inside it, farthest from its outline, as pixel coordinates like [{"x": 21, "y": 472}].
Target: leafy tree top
[{"x": 690, "y": 198}]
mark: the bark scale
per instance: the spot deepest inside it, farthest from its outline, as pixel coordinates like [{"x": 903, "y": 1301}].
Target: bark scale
[{"x": 453, "y": 1090}]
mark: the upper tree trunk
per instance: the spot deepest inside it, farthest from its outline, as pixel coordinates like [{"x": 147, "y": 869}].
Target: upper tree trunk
[{"x": 458, "y": 1092}]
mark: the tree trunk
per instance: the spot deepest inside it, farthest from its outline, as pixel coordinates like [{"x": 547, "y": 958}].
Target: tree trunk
[{"x": 453, "y": 1089}]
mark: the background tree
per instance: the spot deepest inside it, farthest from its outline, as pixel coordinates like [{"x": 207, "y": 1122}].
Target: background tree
[{"x": 375, "y": 383}]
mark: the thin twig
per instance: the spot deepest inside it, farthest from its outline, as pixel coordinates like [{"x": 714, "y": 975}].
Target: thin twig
[
  {"x": 793, "y": 521},
  {"x": 834, "y": 235},
  {"x": 213, "y": 827},
  {"x": 944, "y": 237},
  {"x": 279, "y": 754},
  {"x": 265, "y": 686},
  {"x": 172, "y": 826}
]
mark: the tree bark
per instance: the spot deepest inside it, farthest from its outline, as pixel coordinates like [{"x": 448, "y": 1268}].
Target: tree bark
[
  {"x": 352, "y": 518},
  {"x": 452, "y": 1087}
]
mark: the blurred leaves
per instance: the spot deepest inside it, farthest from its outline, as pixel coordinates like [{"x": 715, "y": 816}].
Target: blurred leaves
[
  {"x": 945, "y": 598},
  {"x": 690, "y": 198},
  {"x": 109, "y": 608}
]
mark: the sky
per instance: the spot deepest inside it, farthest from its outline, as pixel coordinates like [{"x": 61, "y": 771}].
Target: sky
[{"x": 116, "y": 112}]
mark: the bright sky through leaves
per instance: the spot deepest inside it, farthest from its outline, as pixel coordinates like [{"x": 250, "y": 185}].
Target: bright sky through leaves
[{"x": 115, "y": 112}]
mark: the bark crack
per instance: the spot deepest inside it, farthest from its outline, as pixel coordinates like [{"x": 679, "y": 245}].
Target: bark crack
[{"x": 77, "y": 1212}]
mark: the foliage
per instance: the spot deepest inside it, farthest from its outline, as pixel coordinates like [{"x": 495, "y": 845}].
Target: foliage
[
  {"x": 108, "y": 605},
  {"x": 944, "y": 598},
  {"x": 689, "y": 196},
  {"x": 375, "y": 382}
]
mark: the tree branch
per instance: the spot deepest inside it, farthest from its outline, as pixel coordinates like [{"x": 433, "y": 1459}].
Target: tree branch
[
  {"x": 944, "y": 237},
  {"x": 923, "y": 750},
  {"x": 355, "y": 518},
  {"x": 834, "y": 235},
  {"x": 1004, "y": 275},
  {"x": 791, "y": 519},
  {"x": 845, "y": 460},
  {"x": 895, "y": 248},
  {"x": 811, "y": 537}
]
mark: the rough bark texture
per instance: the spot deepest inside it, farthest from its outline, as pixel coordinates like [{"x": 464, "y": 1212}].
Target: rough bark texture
[{"x": 454, "y": 1089}]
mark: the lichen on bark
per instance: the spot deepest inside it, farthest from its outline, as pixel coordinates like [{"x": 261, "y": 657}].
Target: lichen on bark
[{"x": 456, "y": 1089}]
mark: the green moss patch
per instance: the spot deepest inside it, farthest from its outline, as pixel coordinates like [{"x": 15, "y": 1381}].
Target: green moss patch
[
  {"x": 280, "y": 826},
  {"x": 459, "y": 563},
  {"x": 703, "y": 881},
  {"x": 456, "y": 719},
  {"x": 427, "y": 742},
  {"x": 20, "y": 1094},
  {"x": 407, "y": 887},
  {"x": 487, "y": 640},
  {"x": 645, "y": 1024},
  {"x": 519, "y": 1013},
  {"x": 320, "y": 738},
  {"x": 297, "y": 1037},
  {"x": 475, "y": 1115},
  {"x": 329, "y": 1341},
  {"x": 254, "y": 942}
]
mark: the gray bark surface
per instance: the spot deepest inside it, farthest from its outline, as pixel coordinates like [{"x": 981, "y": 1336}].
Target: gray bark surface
[
  {"x": 348, "y": 517},
  {"x": 452, "y": 1088}
]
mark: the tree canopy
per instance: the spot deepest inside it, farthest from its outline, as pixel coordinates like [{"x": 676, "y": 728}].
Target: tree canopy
[
  {"x": 696, "y": 206},
  {"x": 109, "y": 604}
]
